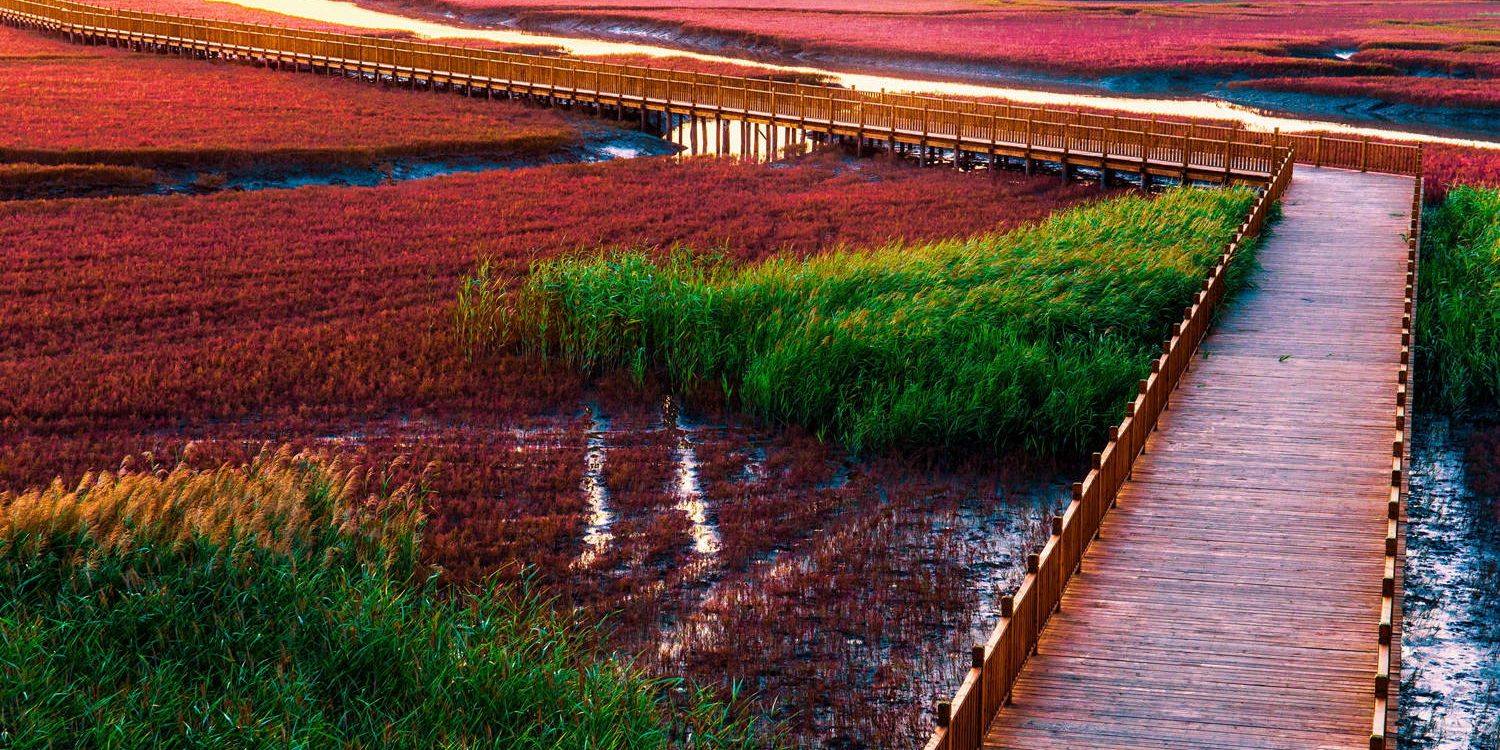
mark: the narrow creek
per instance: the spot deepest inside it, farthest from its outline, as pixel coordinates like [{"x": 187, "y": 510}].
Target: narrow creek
[
  {"x": 598, "y": 143},
  {"x": 349, "y": 14}
]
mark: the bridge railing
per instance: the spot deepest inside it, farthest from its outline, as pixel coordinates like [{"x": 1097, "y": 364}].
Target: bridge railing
[
  {"x": 1228, "y": 154},
  {"x": 1324, "y": 150},
  {"x": 1400, "y": 455},
  {"x": 996, "y": 663}
]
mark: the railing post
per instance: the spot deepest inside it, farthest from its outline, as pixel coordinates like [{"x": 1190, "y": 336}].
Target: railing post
[
  {"x": 1228, "y": 155},
  {"x": 1104, "y": 156},
  {"x": 1187, "y": 146},
  {"x": 994, "y": 139},
  {"x": 1067, "y": 141},
  {"x": 859, "y": 133},
  {"x": 890, "y": 123},
  {"x": 922, "y": 154},
  {"x": 1146, "y": 142}
]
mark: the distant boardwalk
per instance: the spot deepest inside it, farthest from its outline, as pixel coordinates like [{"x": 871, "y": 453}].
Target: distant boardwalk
[{"x": 1233, "y": 597}]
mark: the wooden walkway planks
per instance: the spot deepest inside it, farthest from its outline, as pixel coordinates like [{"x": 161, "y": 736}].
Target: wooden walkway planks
[{"x": 1233, "y": 597}]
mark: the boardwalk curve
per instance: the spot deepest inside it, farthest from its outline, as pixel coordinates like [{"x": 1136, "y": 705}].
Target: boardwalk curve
[{"x": 1233, "y": 597}]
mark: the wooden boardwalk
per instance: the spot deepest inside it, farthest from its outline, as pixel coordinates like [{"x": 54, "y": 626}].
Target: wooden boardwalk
[{"x": 1233, "y": 597}]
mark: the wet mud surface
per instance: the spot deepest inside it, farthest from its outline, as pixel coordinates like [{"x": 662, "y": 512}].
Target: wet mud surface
[
  {"x": 842, "y": 593},
  {"x": 1450, "y": 683}
]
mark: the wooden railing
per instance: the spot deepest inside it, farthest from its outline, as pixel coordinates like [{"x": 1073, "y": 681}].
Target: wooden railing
[
  {"x": 1319, "y": 150},
  {"x": 1400, "y": 456},
  {"x": 1108, "y": 144},
  {"x": 963, "y": 721}
]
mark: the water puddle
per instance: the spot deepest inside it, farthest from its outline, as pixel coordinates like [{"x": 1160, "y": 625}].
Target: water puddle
[
  {"x": 690, "y": 500},
  {"x": 601, "y": 519},
  {"x": 1451, "y": 643}
]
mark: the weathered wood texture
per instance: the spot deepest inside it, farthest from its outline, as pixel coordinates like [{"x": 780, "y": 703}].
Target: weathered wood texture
[
  {"x": 1234, "y": 596},
  {"x": 998, "y": 661},
  {"x": 1197, "y": 151}
]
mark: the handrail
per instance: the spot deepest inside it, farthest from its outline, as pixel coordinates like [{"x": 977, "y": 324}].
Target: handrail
[
  {"x": 1400, "y": 456},
  {"x": 1134, "y": 145},
  {"x": 995, "y": 664}
]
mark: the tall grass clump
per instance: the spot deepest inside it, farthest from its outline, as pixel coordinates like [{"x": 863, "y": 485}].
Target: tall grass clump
[
  {"x": 1459, "y": 313},
  {"x": 282, "y": 604},
  {"x": 1032, "y": 337}
]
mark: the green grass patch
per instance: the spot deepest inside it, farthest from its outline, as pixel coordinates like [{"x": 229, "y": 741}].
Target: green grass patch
[
  {"x": 1031, "y": 338},
  {"x": 282, "y": 605},
  {"x": 1458, "y": 315}
]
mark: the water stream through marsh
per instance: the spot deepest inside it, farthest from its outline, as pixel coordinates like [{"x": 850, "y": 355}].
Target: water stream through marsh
[
  {"x": 349, "y": 14},
  {"x": 596, "y": 144}
]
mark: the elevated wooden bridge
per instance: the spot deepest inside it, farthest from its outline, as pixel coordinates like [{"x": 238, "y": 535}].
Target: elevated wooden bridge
[
  {"x": 958, "y": 132},
  {"x": 1228, "y": 575}
]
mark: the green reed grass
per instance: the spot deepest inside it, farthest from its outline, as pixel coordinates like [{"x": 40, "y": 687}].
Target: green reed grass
[
  {"x": 1458, "y": 315},
  {"x": 1034, "y": 337},
  {"x": 282, "y": 605}
]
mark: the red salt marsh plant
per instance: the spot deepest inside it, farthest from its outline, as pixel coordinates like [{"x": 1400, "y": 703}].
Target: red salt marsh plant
[
  {"x": 1462, "y": 61},
  {"x": 1447, "y": 166},
  {"x": 42, "y": 180},
  {"x": 1079, "y": 38},
  {"x": 1429, "y": 92},
  {"x": 134, "y": 109},
  {"x": 16, "y": 44},
  {"x": 325, "y": 304},
  {"x": 318, "y": 318}
]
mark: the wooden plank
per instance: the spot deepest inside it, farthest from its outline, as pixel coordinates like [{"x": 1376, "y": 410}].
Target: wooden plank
[{"x": 1232, "y": 597}]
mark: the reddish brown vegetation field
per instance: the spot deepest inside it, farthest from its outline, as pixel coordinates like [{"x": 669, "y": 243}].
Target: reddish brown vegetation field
[
  {"x": 65, "y": 103},
  {"x": 1445, "y": 166},
  {"x": 1460, "y": 60},
  {"x": 841, "y": 590},
  {"x": 43, "y": 180},
  {"x": 1430, "y": 92},
  {"x": 1266, "y": 38}
]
